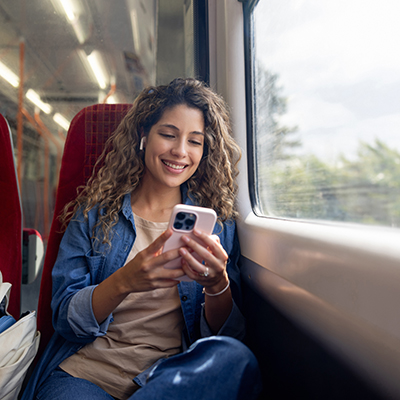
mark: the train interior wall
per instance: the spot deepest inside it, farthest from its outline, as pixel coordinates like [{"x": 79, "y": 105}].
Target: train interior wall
[{"x": 293, "y": 363}]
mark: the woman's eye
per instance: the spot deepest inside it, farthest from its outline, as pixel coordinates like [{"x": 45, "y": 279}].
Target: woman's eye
[
  {"x": 196, "y": 143},
  {"x": 166, "y": 135}
]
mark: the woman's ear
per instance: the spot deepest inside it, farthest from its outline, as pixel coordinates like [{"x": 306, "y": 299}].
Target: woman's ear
[{"x": 142, "y": 143}]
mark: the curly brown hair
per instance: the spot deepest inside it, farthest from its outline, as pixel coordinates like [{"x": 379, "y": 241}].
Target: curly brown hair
[{"x": 212, "y": 185}]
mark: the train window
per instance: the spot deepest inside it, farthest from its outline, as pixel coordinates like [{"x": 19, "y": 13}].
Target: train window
[
  {"x": 59, "y": 56},
  {"x": 326, "y": 95}
]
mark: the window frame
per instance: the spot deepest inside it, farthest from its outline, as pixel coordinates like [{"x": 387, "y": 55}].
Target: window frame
[
  {"x": 201, "y": 40},
  {"x": 248, "y": 32}
]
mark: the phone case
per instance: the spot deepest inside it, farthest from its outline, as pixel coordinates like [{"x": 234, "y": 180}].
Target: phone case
[{"x": 184, "y": 219}]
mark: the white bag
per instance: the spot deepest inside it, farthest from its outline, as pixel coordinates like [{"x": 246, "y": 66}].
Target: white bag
[{"x": 18, "y": 347}]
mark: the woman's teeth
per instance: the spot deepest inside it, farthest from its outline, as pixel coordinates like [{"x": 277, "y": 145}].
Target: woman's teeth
[{"x": 174, "y": 166}]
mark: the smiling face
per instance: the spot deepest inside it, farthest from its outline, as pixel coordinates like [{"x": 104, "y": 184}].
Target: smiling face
[{"x": 174, "y": 147}]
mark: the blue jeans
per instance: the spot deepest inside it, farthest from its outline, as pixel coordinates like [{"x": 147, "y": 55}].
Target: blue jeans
[{"x": 218, "y": 367}]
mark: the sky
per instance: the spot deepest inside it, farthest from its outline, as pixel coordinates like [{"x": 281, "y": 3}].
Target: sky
[{"x": 339, "y": 68}]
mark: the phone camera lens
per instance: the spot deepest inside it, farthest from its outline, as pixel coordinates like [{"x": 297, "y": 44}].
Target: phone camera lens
[
  {"x": 181, "y": 216},
  {"x": 189, "y": 223},
  {"x": 178, "y": 225}
]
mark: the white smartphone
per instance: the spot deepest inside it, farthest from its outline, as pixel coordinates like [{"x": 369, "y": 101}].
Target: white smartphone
[{"x": 184, "y": 219}]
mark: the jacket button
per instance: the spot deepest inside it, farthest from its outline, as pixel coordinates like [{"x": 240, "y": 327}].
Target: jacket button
[{"x": 184, "y": 298}]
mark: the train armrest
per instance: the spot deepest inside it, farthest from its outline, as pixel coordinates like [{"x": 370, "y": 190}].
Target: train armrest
[{"x": 32, "y": 255}]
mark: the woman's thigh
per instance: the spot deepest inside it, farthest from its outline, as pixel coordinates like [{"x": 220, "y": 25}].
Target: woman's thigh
[{"x": 62, "y": 386}]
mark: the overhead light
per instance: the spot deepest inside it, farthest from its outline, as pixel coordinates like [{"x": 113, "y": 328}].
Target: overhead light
[
  {"x": 68, "y": 9},
  {"x": 80, "y": 35},
  {"x": 135, "y": 31},
  {"x": 35, "y": 99},
  {"x": 73, "y": 9},
  {"x": 8, "y": 75},
  {"x": 111, "y": 100},
  {"x": 62, "y": 121},
  {"x": 96, "y": 63}
]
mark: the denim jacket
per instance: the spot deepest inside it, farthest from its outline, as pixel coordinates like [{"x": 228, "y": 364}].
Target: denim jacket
[{"x": 83, "y": 263}]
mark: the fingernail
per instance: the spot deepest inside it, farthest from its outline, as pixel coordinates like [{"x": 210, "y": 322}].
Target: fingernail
[
  {"x": 168, "y": 232},
  {"x": 183, "y": 251},
  {"x": 185, "y": 239},
  {"x": 197, "y": 232}
]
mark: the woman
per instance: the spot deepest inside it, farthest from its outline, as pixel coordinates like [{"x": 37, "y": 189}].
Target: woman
[{"x": 123, "y": 322}]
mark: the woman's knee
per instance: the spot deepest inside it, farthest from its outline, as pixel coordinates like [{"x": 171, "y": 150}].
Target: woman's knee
[
  {"x": 239, "y": 360},
  {"x": 227, "y": 350},
  {"x": 216, "y": 367}
]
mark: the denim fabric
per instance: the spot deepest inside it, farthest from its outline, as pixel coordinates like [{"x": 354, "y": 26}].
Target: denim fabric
[
  {"x": 217, "y": 367},
  {"x": 82, "y": 263},
  {"x": 62, "y": 386}
]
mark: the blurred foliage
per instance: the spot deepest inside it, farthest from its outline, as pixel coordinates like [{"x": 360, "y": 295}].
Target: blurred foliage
[
  {"x": 275, "y": 141},
  {"x": 363, "y": 190}
]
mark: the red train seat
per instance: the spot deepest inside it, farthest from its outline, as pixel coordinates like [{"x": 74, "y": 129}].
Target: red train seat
[
  {"x": 10, "y": 220},
  {"x": 85, "y": 141}
]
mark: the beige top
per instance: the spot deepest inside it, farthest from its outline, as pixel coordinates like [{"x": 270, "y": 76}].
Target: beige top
[{"x": 147, "y": 326}]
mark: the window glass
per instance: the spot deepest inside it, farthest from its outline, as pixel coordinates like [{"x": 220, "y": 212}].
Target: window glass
[
  {"x": 75, "y": 53},
  {"x": 326, "y": 85}
]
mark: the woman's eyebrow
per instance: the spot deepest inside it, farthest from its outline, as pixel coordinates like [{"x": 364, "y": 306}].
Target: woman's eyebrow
[
  {"x": 177, "y": 129},
  {"x": 170, "y": 126}
]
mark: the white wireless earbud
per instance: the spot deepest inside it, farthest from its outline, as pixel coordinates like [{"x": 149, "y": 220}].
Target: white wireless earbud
[{"x": 142, "y": 143}]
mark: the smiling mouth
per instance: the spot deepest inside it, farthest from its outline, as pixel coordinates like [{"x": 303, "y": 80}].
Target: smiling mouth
[{"x": 174, "y": 166}]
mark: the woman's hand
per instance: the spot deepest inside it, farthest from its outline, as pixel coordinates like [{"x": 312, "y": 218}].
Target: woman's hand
[
  {"x": 213, "y": 264},
  {"x": 144, "y": 272},
  {"x": 219, "y": 306}
]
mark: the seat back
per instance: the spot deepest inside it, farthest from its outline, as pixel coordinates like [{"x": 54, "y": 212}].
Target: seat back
[
  {"x": 10, "y": 219},
  {"x": 88, "y": 132}
]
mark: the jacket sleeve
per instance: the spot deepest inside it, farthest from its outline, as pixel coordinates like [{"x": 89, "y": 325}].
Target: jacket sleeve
[
  {"x": 74, "y": 276},
  {"x": 234, "y": 326}
]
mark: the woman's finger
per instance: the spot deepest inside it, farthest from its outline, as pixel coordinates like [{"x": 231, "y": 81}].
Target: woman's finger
[
  {"x": 192, "y": 274},
  {"x": 157, "y": 245},
  {"x": 213, "y": 242},
  {"x": 154, "y": 251},
  {"x": 212, "y": 266},
  {"x": 210, "y": 248}
]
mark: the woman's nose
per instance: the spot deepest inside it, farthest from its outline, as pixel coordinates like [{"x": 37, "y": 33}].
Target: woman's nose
[{"x": 179, "y": 149}]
